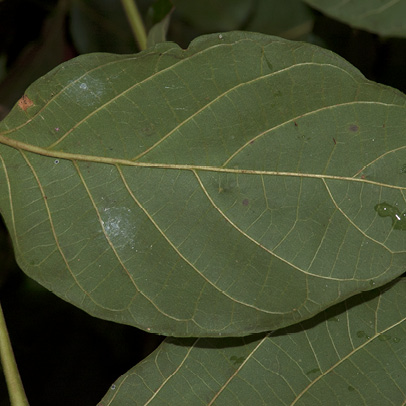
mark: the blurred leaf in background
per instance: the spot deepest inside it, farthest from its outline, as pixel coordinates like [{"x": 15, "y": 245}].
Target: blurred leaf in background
[
  {"x": 100, "y": 26},
  {"x": 386, "y": 18},
  {"x": 32, "y": 47}
]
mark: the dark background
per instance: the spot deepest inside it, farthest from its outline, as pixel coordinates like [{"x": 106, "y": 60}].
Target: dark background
[{"x": 65, "y": 356}]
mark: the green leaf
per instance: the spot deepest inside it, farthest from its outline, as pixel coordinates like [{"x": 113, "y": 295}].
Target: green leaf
[
  {"x": 351, "y": 354},
  {"x": 225, "y": 189},
  {"x": 158, "y": 32},
  {"x": 100, "y": 26},
  {"x": 293, "y": 21},
  {"x": 211, "y": 15},
  {"x": 386, "y": 18}
]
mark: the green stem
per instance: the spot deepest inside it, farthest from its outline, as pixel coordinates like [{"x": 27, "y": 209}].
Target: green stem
[
  {"x": 8, "y": 362},
  {"x": 136, "y": 23}
]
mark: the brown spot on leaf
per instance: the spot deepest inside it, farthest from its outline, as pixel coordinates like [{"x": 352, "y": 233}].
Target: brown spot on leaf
[
  {"x": 354, "y": 128},
  {"x": 245, "y": 202},
  {"x": 25, "y": 103}
]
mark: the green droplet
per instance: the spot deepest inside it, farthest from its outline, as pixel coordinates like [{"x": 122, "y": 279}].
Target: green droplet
[
  {"x": 313, "y": 371},
  {"x": 396, "y": 339},
  {"x": 403, "y": 169},
  {"x": 361, "y": 334},
  {"x": 398, "y": 219},
  {"x": 384, "y": 337},
  {"x": 371, "y": 283},
  {"x": 351, "y": 388}
]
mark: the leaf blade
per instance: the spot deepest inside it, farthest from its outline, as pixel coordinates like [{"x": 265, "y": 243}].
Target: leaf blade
[
  {"x": 251, "y": 205},
  {"x": 353, "y": 353}
]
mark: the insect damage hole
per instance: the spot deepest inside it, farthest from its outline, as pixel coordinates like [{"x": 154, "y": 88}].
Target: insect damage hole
[{"x": 25, "y": 103}]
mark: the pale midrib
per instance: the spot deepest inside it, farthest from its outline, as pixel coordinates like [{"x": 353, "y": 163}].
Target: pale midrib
[{"x": 126, "y": 162}]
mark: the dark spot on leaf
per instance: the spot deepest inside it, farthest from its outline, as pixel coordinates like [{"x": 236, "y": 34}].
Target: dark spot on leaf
[
  {"x": 252, "y": 141},
  {"x": 313, "y": 371},
  {"x": 295, "y": 124},
  {"x": 25, "y": 103},
  {"x": 237, "y": 360},
  {"x": 148, "y": 131},
  {"x": 361, "y": 334},
  {"x": 245, "y": 202},
  {"x": 334, "y": 140},
  {"x": 351, "y": 388},
  {"x": 354, "y": 128}
]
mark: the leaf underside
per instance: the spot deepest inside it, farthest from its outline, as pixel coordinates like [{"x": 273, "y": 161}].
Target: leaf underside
[
  {"x": 225, "y": 189},
  {"x": 386, "y": 18},
  {"x": 351, "y": 354}
]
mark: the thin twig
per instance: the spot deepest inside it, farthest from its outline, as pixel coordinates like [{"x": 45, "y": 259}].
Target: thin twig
[
  {"x": 135, "y": 20},
  {"x": 8, "y": 362}
]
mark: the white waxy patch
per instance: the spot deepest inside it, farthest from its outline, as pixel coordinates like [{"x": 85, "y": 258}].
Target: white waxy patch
[
  {"x": 118, "y": 226},
  {"x": 86, "y": 92}
]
